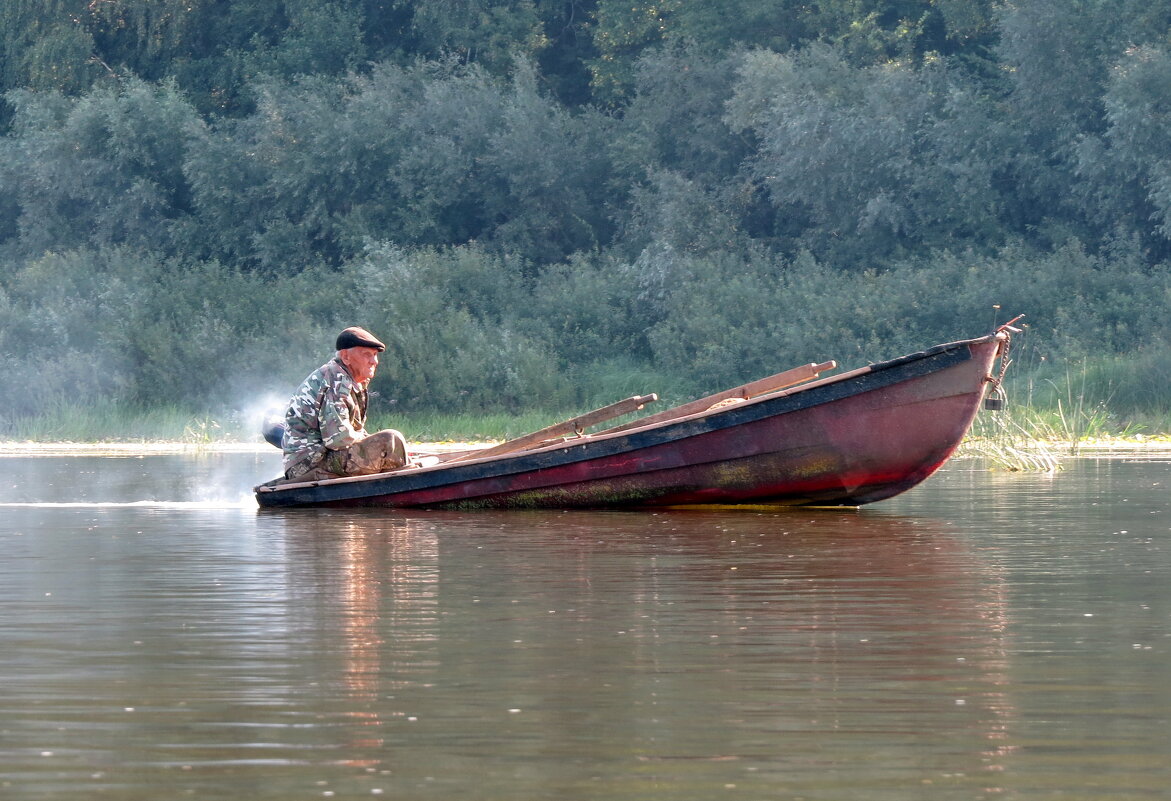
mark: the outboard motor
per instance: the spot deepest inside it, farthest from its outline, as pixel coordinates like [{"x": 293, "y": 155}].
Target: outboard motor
[{"x": 273, "y": 431}]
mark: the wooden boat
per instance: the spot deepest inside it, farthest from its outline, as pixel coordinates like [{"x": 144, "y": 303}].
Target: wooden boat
[{"x": 795, "y": 439}]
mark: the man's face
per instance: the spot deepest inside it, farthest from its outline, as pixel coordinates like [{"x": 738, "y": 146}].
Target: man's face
[{"x": 361, "y": 362}]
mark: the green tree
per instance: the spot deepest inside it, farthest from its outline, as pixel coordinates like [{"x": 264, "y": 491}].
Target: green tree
[
  {"x": 144, "y": 36},
  {"x": 1127, "y": 172},
  {"x": 868, "y": 31},
  {"x": 435, "y": 154},
  {"x": 675, "y": 118},
  {"x": 440, "y": 169},
  {"x": 268, "y": 188},
  {"x": 569, "y": 49},
  {"x": 45, "y": 46},
  {"x": 554, "y": 173},
  {"x": 622, "y": 30},
  {"x": 1057, "y": 55},
  {"x": 102, "y": 169},
  {"x": 868, "y": 161},
  {"x": 485, "y": 32},
  {"x": 320, "y": 38}
]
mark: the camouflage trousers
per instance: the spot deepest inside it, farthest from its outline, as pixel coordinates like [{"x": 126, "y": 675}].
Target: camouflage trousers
[{"x": 378, "y": 453}]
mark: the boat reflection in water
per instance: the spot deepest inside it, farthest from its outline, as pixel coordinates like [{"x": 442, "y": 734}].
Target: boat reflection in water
[{"x": 584, "y": 647}]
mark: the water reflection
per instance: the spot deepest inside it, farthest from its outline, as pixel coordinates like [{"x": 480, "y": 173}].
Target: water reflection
[
  {"x": 982, "y": 637},
  {"x": 673, "y": 637}
]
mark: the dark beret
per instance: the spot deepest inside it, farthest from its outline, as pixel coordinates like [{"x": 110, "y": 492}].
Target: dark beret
[{"x": 355, "y": 337}]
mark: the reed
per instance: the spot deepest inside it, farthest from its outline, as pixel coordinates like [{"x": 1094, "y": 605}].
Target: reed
[
  {"x": 1084, "y": 403},
  {"x": 1010, "y": 442}
]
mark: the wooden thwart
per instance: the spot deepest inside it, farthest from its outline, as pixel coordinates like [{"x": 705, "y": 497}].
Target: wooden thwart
[
  {"x": 575, "y": 426},
  {"x": 762, "y": 386}
]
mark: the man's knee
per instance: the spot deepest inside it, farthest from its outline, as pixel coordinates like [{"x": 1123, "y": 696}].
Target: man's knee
[
  {"x": 390, "y": 442},
  {"x": 382, "y": 451}
]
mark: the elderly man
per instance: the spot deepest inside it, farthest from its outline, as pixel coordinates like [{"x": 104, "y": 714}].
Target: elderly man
[{"x": 325, "y": 435}]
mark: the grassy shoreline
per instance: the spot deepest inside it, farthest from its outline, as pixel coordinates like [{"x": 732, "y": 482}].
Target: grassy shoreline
[
  {"x": 1023, "y": 436},
  {"x": 972, "y": 447},
  {"x": 114, "y": 423}
]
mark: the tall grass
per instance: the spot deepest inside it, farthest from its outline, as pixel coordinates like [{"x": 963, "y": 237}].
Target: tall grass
[
  {"x": 1009, "y": 444},
  {"x": 1079, "y": 405},
  {"x": 105, "y": 421}
]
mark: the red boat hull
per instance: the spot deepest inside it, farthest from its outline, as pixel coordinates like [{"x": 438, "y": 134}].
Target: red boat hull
[{"x": 846, "y": 440}]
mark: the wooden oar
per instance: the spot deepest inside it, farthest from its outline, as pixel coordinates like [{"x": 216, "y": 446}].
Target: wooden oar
[
  {"x": 754, "y": 389},
  {"x": 575, "y": 426}
]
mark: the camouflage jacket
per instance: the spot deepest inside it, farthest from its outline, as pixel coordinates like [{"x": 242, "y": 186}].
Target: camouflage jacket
[{"x": 328, "y": 411}]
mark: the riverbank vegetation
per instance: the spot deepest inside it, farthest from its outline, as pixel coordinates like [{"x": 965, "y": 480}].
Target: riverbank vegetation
[{"x": 545, "y": 207}]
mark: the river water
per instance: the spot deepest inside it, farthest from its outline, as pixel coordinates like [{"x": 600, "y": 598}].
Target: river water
[{"x": 987, "y": 635}]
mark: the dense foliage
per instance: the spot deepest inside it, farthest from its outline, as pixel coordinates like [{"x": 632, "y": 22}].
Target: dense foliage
[{"x": 554, "y": 204}]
